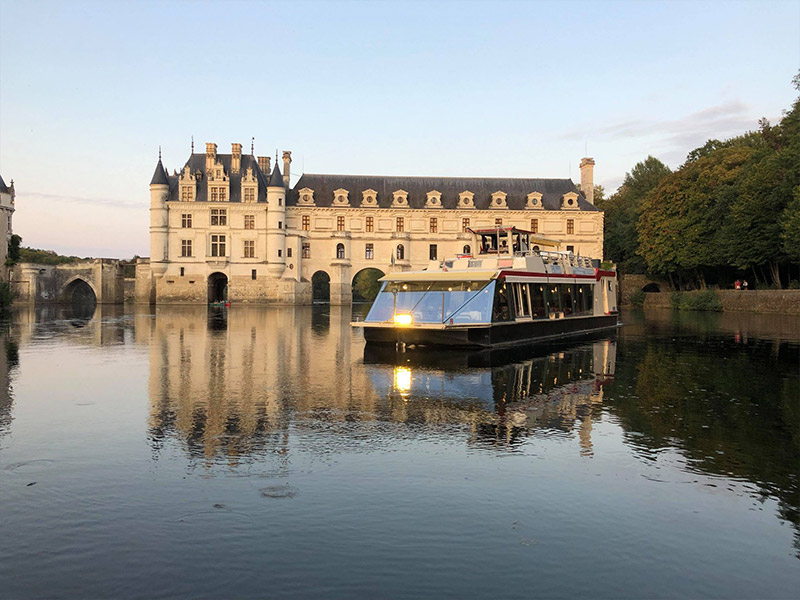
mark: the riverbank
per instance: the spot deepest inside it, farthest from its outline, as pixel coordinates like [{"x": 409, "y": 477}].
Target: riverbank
[{"x": 785, "y": 302}]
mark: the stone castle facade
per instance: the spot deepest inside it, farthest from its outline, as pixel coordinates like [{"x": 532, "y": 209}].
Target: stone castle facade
[
  {"x": 230, "y": 227},
  {"x": 7, "y": 196}
]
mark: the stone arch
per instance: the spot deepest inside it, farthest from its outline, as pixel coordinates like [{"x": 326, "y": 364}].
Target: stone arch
[
  {"x": 78, "y": 290},
  {"x": 651, "y": 287},
  {"x": 321, "y": 287},
  {"x": 366, "y": 284},
  {"x": 217, "y": 287}
]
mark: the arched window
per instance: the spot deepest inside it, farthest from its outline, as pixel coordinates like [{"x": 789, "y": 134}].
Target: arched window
[
  {"x": 339, "y": 250},
  {"x": 467, "y": 250},
  {"x": 401, "y": 252}
]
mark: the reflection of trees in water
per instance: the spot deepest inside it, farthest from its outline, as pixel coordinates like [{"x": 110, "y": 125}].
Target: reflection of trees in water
[{"x": 733, "y": 411}]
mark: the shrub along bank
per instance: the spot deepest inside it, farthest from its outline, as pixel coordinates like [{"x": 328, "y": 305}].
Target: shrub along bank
[{"x": 785, "y": 302}]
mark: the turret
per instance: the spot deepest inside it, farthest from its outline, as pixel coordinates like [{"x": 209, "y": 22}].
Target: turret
[
  {"x": 587, "y": 178},
  {"x": 276, "y": 223},
  {"x": 159, "y": 220}
]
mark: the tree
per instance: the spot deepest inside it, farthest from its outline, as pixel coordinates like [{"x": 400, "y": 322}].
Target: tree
[
  {"x": 622, "y": 211},
  {"x": 366, "y": 285},
  {"x": 790, "y": 228},
  {"x": 13, "y": 250}
]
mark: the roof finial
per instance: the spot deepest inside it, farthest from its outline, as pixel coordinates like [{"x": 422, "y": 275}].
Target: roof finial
[
  {"x": 252, "y": 145},
  {"x": 276, "y": 156},
  {"x": 159, "y": 152},
  {"x": 192, "y": 144}
]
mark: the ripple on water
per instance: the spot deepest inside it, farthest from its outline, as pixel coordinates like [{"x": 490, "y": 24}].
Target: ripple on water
[
  {"x": 279, "y": 491},
  {"x": 30, "y": 466}
]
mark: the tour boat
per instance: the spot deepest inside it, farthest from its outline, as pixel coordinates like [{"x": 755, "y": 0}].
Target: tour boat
[{"x": 518, "y": 287}]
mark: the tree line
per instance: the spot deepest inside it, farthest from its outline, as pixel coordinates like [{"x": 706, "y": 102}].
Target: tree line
[{"x": 731, "y": 210}]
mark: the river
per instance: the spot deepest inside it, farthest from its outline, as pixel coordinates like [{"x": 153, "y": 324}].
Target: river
[{"x": 262, "y": 452}]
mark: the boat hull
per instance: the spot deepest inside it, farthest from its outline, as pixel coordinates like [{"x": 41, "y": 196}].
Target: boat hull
[{"x": 496, "y": 334}]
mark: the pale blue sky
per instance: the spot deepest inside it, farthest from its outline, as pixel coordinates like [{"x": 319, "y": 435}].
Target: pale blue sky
[{"x": 89, "y": 90}]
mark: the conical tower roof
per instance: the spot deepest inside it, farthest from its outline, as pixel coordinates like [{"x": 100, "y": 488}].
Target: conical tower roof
[
  {"x": 3, "y": 186},
  {"x": 160, "y": 175},
  {"x": 276, "y": 180}
]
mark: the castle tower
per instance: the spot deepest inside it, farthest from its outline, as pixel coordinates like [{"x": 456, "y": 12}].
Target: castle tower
[
  {"x": 276, "y": 223},
  {"x": 587, "y": 178},
  {"x": 7, "y": 196},
  {"x": 159, "y": 220}
]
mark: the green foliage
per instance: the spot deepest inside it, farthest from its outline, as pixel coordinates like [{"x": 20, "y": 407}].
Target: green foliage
[
  {"x": 13, "y": 250},
  {"x": 366, "y": 285},
  {"x": 6, "y": 295},
  {"x": 622, "y": 212},
  {"x": 46, "y": 257},
  {"x": 790, "y": 227},
  {"x": 734, "y": 205},
  {"x": 704, "y": 300},
  {"x": 637, "y": 298}
]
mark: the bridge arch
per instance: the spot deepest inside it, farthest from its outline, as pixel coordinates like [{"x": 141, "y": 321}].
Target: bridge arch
[
  {"x": 217, "y": 287},
  {"x": 78, "y": 290},
  {"x": 651, "y": 287},
  {"x": 366, "y": 284},
  {"x": 321, "y": 287}
]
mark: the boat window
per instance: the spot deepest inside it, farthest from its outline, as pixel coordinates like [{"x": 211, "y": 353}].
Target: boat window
[
  {"x": 538, "y": 303},
  {"x": 523, "y": 309},
  {"x": 431, "y": 302},
  {"x": 553, "y": 301},
  {"x": 567, "y": 299},
  {"x": 502, "y": 310}
]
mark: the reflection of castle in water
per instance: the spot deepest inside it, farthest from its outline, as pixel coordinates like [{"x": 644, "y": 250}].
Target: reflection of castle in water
[{"x": 236, "y": 382}]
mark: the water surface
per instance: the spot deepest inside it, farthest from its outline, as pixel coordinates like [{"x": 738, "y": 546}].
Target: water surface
[{"x": 262, "y": 452}]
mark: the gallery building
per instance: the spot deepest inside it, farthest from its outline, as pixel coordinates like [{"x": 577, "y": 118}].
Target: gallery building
[{"x": 230, "y": 227}]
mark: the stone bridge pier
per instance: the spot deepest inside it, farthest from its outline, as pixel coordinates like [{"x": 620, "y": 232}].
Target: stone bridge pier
[{"x": 100, "y": 281}]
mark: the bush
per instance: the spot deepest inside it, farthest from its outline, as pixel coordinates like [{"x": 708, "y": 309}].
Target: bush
[
  {"x": 6, "y": 295},
  {"x": 705, "y": 300},
  {"x": 637, "y": 298},
  {"x": 794, "y": 284}
]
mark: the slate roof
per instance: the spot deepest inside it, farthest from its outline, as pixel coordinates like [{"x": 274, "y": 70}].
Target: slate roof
[
  {"x": 159, "y": 175},
  {"x": 197, "y": 164},
  {"x": 3, "y": 187},
  {"x": 517, "y": 190},
  {"x": 277, "y": 179}
]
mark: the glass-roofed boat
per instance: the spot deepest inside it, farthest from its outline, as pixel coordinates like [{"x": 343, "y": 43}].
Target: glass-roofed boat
[{"x": 518, "y": 287}]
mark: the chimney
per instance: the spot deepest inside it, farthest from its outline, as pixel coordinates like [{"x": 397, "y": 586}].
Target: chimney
[
  {"x": 236, "y": 157},
  {"x": 587, "y": 178},
  {"x": 287, "y": 160},
  {"x": 263, "y": 164},
  {"x": 211, "y": 156}
]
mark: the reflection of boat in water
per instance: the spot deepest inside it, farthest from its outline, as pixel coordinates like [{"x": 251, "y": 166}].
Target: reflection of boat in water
[
  {"x": 511, "y": 290},
  {"x": 501, "y": 394}
]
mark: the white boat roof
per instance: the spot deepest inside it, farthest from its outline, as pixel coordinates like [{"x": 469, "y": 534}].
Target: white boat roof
[{"x": 454, "y": 275}]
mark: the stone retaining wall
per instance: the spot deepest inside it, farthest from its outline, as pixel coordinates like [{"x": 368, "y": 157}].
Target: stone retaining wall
[{"x": 785, "y": 302}]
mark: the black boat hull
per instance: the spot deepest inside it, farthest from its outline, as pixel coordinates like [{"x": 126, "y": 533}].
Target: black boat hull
[{"x": 496, "y": 334}]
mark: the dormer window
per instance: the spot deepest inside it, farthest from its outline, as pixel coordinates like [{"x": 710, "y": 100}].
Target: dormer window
[
  {"x": 341, "y": 197},
  {"x": 466, "y": 200},
  {"x": 499, "y": 200},
  {"x": 534, "y": 200},
  {"x": 434, "y": 199},
  {"x": 306, "y": 197},
  {"x": 187, "y": 193},
  {"x": 569, "y": 201},
  {"x": 369, "y": 197},
  {"x": 400, "y": 198}
]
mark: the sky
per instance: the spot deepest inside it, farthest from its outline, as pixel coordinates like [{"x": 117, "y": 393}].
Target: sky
[{"x": 89, "y": 91}]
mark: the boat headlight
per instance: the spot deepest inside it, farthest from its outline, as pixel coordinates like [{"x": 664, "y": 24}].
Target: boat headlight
[{"x": 402, "y": 320}]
